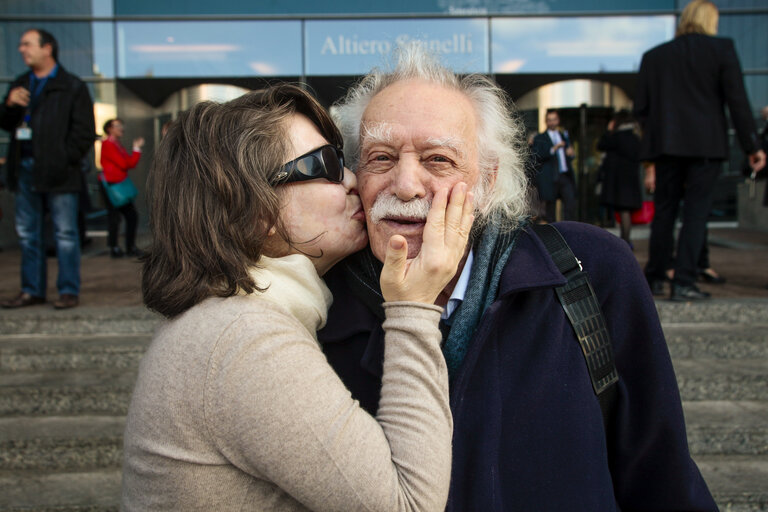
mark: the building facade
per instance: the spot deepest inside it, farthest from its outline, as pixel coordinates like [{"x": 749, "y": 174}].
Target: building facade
[{"x": 146, "y": 60}]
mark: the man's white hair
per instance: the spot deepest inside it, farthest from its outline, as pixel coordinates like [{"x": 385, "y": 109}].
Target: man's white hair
[{"x": 501, "y": 146}]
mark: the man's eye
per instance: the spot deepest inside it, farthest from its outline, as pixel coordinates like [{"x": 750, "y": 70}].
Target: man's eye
[{"x": 381, "y": 158}]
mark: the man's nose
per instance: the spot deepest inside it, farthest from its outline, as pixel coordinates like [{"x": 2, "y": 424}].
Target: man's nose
[{"x": 409, "y": 179}]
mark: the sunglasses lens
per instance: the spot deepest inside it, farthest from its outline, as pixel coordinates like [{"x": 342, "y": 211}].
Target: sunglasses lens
[
  {"x": 334, "y": 163},
  {"x": 310, "y": 166},
  {"x": 325, "y": 162}
]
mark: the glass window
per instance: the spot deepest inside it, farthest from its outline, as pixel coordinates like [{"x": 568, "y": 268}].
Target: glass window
[
  {"x": 575, "y": 45},
  {"x": 730, "y": 4},
  {"x": 330, "y": 7},
  {"x": 353, "y": 47},
  {"x": 47, "y": 7},
  {"x": 209, "y": 48},
  {"x": 750, "y": 37},
  {"x": 757, "y": 91}
]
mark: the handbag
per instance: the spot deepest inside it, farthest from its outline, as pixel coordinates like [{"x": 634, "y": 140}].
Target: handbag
[
  {"x": 642, "y": 216},
  {"x": 119, "y": 194}
]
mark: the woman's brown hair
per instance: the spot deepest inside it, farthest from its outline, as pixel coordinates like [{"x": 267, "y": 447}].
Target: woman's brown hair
[{"x": 210, "y": 200}]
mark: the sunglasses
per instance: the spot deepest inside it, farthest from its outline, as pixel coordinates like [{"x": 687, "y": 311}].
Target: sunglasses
[{"x": 324, "y": 162}]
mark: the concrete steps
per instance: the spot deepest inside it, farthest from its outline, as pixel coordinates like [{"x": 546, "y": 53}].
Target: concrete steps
[
  {"x": 65, "y": 384},
  {"x": 720, "y": 353},
  {"x": 66, "y": 379}
]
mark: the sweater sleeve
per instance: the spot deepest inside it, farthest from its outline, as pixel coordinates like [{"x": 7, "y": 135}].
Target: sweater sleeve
[
  {"x": 111, "y": 155},
  {"x": 277, "y": 410}
]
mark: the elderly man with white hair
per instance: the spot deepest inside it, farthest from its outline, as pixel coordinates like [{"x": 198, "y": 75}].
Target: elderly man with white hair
[{"x": 530, "y": 431}]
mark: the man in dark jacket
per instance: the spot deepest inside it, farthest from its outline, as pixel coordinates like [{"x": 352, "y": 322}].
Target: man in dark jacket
[
  {"x": 682, "y": 88},
  {"x": 49, "y": 114},
  {"x": 555, "y": 179},
  {"x": 528, "y": 428}
]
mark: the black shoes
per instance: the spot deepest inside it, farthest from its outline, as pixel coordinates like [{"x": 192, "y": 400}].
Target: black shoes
[
  {"x": 116, "y": 252},
  {"x": 66, "y": 301},
  {"x": 687, "y": 293},
  {"x": 23, "y": 299}
]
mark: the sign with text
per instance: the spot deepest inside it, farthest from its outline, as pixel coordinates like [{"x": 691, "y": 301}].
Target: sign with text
[{"x": 353, "y": 47}]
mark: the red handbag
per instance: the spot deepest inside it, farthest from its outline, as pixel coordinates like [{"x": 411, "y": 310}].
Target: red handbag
[{"x": 642, "y": 216}]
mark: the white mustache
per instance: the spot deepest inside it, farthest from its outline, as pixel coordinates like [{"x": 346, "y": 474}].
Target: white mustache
[{"x": 390, "y": 206}]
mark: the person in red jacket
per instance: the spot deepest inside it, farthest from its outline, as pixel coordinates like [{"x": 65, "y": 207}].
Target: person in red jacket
[{"x": 116, "y": 162}]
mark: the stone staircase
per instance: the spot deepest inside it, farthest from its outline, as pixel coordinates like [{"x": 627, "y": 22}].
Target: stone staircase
[
  {"x": 66, "y": 379},
  {"x": 720, "y": 353},
  {"x": 65, "y": 384}
]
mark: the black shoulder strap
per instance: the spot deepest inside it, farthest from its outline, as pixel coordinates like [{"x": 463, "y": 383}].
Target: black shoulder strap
[{"x": 583, "y": 310}]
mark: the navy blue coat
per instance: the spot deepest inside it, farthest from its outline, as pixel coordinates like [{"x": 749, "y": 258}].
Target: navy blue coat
[
  {"x": 547, "y": 165},
  {"x": 529, "y": 432}
]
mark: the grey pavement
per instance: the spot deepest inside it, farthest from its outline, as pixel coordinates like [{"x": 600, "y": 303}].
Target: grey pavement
[{"x": 739, "y": 255}]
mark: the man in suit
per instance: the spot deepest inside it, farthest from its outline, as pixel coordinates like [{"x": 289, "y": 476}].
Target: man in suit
[
  {"x": 555, "y": 179},
  {"x": 683, "y": 86}
]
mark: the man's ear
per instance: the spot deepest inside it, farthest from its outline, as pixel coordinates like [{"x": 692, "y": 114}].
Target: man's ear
[{"x": 493, "y": 173}]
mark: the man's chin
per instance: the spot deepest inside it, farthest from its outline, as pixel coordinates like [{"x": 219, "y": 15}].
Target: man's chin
[{"x": 380, "y": 249}]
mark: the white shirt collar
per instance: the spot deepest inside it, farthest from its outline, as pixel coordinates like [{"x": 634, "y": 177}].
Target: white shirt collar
[{"x": 460, "y": 290}]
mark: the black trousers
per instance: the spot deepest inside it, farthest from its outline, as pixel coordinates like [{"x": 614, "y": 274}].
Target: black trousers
[
  {"x": 565, "y": 190},
  {"x": 128, "y": 211},
  {"x": 691, "y": 180}
]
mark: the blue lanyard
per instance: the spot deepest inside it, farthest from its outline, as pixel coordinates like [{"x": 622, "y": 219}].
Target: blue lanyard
[{"x": 36, "y": 86}]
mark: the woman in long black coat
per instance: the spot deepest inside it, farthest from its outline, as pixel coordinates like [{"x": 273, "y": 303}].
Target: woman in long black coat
[{"x": 621, "y": 188}]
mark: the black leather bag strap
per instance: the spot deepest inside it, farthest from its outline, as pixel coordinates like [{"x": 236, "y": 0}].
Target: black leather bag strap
[{"x": 583, "y": 311}]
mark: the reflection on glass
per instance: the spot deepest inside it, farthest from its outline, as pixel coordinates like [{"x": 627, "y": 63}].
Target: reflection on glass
[
  {"x": 352, "y": 47},
  {"x": 575, "y": 45},
  {"x": 209, "y": 48},
  {"x": 103, "y": 49}
]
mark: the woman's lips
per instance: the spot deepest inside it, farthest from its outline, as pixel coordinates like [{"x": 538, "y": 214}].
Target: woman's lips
[{"x": 359, "y": 215}]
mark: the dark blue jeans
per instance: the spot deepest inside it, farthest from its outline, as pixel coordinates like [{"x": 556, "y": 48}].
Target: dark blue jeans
[{"x": 29, "y": 226}]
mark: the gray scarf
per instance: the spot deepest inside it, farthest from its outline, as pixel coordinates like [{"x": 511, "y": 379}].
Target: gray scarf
[{"x": 491, "y": 251}]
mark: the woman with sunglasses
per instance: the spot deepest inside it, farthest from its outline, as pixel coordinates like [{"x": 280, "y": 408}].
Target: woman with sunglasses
[{"x": 235, "y": 406}]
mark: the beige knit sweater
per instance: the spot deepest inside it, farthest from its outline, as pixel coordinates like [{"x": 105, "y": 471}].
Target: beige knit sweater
[{"x": 236, "y": 408}]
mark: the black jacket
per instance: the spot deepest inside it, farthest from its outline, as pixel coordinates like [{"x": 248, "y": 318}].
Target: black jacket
[
  {"x": 620, "y": 171},
  {"x": 548, "y": 165},
  {"x": 682, "y": 88},
  {"x": 63, "y": 131}
]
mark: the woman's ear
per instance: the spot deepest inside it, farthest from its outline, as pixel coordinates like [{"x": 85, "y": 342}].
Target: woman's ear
[{"x": 271, "y": 231}]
